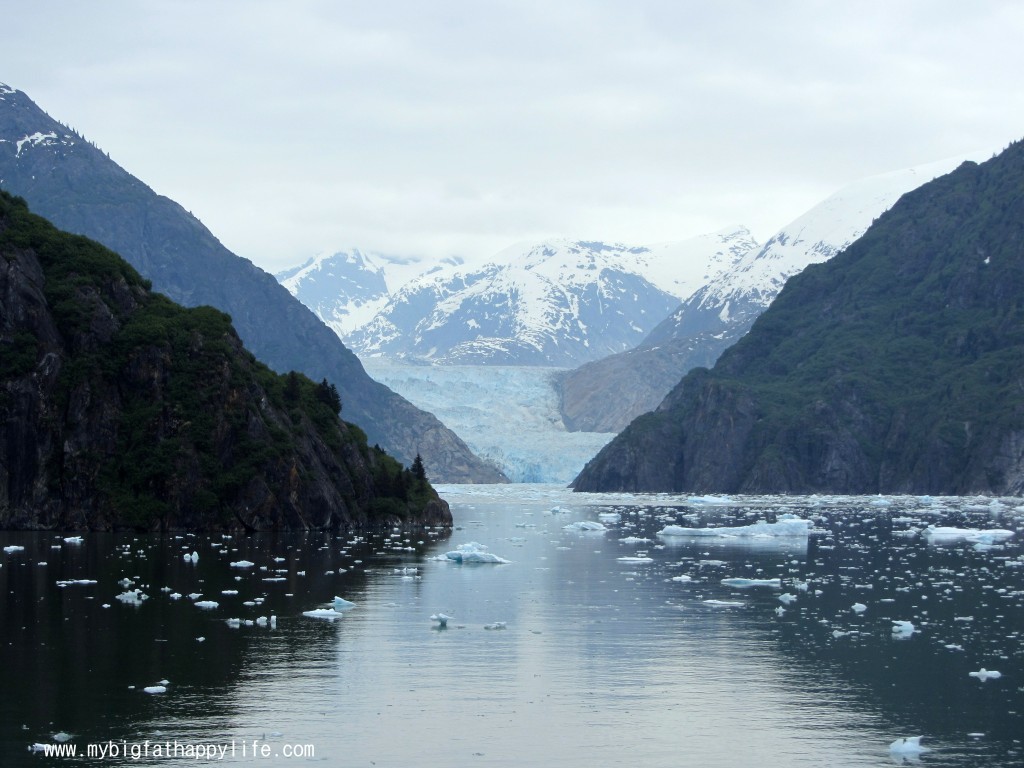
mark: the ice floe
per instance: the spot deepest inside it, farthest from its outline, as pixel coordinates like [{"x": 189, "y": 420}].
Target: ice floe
[
  {"x": 242, "y": 564},
  {"x": 948, "y": 534},
  {"x": 986, "y": 674},
  {"x": 746, "y": 583},
  {"x": 909, "y": 745},
  {"x": 585, "y": 525},
  {"x": 471, "y": 552},
  {"x": 324, "y": 613},
  {"x": 787, "y": 526}
]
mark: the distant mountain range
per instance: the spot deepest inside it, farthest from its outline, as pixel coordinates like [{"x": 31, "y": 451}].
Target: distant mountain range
[
  {"x": 894, "y": 367},
  {"x": 722, "y": 310},
  {"x": 73, "y": 184},
  {"x": 556, "y": 303}
]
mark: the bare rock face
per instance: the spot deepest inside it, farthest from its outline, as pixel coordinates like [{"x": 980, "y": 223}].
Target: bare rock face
[
  {"x": 895, "y": 367},
  {"x": 120, "y": 409}
]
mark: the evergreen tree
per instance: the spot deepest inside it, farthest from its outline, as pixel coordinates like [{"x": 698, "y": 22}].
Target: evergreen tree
[{"x": 418, "y": 470}]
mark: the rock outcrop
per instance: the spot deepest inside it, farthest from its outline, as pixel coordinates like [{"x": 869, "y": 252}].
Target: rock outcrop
[
  {"x": 895, "y": 367},
  {"x": 121, "y": 409},
  {"x": 81, "y": 190}
]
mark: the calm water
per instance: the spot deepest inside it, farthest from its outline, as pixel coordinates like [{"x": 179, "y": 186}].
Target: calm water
[{"x": 601, "y": 661}]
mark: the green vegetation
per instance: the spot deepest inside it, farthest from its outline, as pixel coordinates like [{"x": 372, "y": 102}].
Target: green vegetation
[
  {"x": 197, "y": 421},
  {"x": 898, "y": 364}
]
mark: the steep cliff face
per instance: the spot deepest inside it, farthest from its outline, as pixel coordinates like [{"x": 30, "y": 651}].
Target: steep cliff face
[
  {"x": 895, "y": 367},
  {"x": 120, "y": 409},
  {"x": 81, "y": 190}
]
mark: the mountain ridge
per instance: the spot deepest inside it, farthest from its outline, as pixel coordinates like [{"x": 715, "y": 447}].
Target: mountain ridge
[
  {"x": 894, "y": 367},
  {"x": 75, "y": 185}
]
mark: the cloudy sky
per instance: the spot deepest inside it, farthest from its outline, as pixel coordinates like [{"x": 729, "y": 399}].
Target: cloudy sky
[{"x": 458, "y": 127}]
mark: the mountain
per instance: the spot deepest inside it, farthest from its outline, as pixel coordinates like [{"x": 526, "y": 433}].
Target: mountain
[
  {"x": 120, "y": 409},
  {"x": 894, "y": 367},
  {"x": 556, "y": 303},
  {"x": 75, "y": 185},
  {"x": 722, "y": 310}
]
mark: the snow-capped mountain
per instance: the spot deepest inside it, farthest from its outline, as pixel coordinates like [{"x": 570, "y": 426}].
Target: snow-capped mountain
[
  {"x": 718, "y": 313},
  {"x": 557, "y": 303}
]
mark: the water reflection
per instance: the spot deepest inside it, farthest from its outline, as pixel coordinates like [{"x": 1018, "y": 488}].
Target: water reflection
[{"x": 618, "y": 646}]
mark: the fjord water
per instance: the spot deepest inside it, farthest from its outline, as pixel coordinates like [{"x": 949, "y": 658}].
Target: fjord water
[{"x": 599, "y": 651}]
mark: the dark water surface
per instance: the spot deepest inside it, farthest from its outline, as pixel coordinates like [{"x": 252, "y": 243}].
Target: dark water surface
[{"x": 592, "y": 659}]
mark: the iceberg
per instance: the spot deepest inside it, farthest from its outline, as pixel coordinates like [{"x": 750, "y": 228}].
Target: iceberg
[
  {"x": 584, "y": 525},
  {"x": 324, "y": 613},
  {"x": 903, "y": 629},
  {"x": 471, "y": 552},
  {"x": 986, "y": 674},
  {"x": 155, "y": 689},
  {"x": 441, "y": 619},
  {"x": 746, "y": 583},
  {"x": 206, "y": 604},
  {"x": 948, "y": 535},
  {"x": 341, "y": 604},
  {"x": 242, "y": 564},
  {"x": 13, "y": 548},
  {"x": 909, "y": 745},
  {"x": 786, "y": 526}
]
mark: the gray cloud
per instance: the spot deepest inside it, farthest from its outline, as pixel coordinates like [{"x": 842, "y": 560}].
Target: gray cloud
[{"x": 460, "y": 127}]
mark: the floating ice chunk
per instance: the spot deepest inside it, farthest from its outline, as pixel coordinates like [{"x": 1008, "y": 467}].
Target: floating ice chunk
[
  {"x": 324, "y": 613},
  {"x": 472, "y": 552},
  {"x": 441, "y": 619},
  {"x": 194, "y": 595},
  {"x": 341, "y": 604},
  {"x": 858, "y": 608},
  {"x": 233, "y": 623},
  {"x": 207, "y": 604},
  {"x": 635, "y": 560},
  {"x": 710, "y": 500},
  {"x": 37, "y": 747},
  {"x": 13, "y": 548},
  {"x": 496, "y": 625},
  {"x": 881, "y": 502},
  {"x": 633, "y": 539},
  {"x": 682, "y": 577},
  {"x": 62, "y": 736},
  {"x": 746, "y": 583},
  {"x": 786, "y": 526},
  {"x": 155, "y": 689},
  {"x": 986, "y": 674},
  {"x": 946, "y": 535},
  {"x": 585, "y": 525},
  {"x": 724, "y": 603},
  {"x": 909, "y": 745},
  {"x": 786, "y": 598},
  {"x": 903, "y": 629},
  {"x": 71, "y": 582},
  {"x": 193, "y": 558},
  {"x": 133, "y": 597},
  {"x": 73, "y": 540},
  {"x": 242, "y": 564}
]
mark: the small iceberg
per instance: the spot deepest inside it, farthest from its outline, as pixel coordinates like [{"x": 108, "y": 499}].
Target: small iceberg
[
  {"x": 635, "y": 560},
  {"x": 747, "y": 583},
  {"x": 193, "y": 558},
  {"x": 133, "y": 597},
  {"x": 242, "y": 564},
  {"x": 207, "y": 605},
  {"x": 724, "y": 603},
  {"x": 986, "y": 674},
  {"x": 909, "y": 745},
  {"x": 341, "y": 604},
  {"x": 903, "y": 629},
  {"x": 73, "y": 540},
  {"x": 324, "y": 613},
  {"x": 585, "y": 525},
  {"x": 155, "y": 689},
  {"x": 472, "y": 552},
  {"x": 13, "y": 548},
  {"x": 787, "y": 526},
  {"x": 948, "y": 535},
  {"x": 441, "y": 619},
  {"x": 496, "y": 625}
]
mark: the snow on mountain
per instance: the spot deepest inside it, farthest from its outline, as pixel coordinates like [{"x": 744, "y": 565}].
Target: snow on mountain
[
  {"x": 735, "y": 297},
  {"x": 508, "y": 415},
  {"x": 718, "y": 313},
  {"x": 346, "y": 289},
  {"x": 557, "y": 303}
]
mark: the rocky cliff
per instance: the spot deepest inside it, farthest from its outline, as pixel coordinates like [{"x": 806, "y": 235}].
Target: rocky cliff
[
  {"x": 81, "y": 190},
  {"x": 898, "y": 366},
  {"x": 120, "y": 409}
]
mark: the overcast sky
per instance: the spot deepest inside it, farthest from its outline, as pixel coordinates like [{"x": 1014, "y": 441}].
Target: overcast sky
[{"x": 458, "y": 127}]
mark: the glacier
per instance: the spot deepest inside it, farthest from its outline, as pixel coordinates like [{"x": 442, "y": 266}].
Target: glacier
[{"x": 508, "y": 415}]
